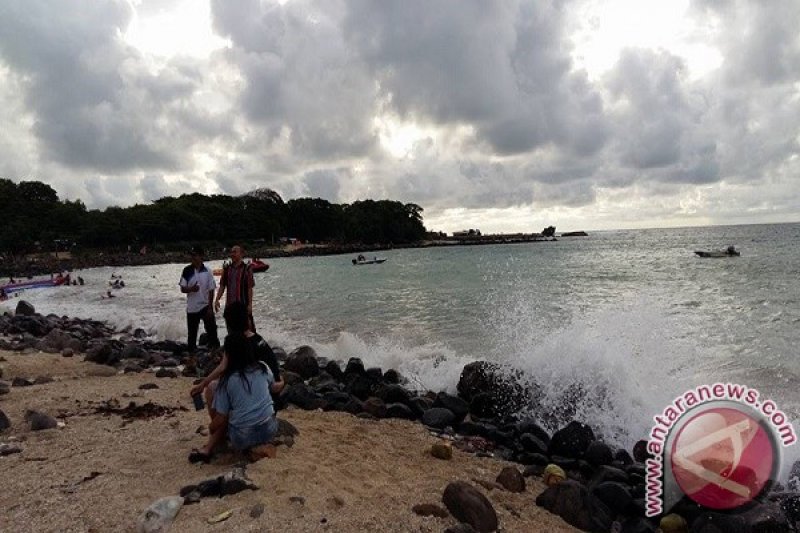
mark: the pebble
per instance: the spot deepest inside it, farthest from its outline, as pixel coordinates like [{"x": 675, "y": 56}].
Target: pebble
[
  {"x": 443, "y": 451},
  {"x": 257, "y": 510},
  {"x": 8, "y": 449}
]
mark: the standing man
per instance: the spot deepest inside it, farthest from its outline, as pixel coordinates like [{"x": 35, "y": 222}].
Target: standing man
[
  {"x": 237, "y": 282},
  {"x": 198, "y": 284}
]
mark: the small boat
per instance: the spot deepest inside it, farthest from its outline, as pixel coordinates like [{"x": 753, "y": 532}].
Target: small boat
[
  {"x": 728, "y": 252},
  {"x": 363, "y": 261},
  {"x": 8, "y": 288},
  {"x": 258, "y": 265}
]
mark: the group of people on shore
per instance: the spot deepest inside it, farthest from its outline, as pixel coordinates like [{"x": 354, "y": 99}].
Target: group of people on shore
[{"x": 238, "y": 392}]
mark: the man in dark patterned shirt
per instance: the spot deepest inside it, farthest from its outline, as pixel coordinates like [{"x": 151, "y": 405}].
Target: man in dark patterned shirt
[{"x": 237, "y": 284}]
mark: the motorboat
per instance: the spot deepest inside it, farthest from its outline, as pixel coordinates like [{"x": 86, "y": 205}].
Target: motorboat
[
  {"x": 258, "y": 265},
  {"x": 730, "y": 251},
  {"x": 361, "y": 260}
]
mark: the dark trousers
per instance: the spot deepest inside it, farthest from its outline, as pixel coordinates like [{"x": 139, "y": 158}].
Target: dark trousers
[{"x": 209, "y": 323}]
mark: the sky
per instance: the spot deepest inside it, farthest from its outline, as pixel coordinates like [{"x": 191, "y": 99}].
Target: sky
[{"x": 506, "y": 115}]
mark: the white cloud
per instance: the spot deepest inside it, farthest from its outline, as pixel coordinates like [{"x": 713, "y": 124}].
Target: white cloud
[{"x": 500, "y": 114}]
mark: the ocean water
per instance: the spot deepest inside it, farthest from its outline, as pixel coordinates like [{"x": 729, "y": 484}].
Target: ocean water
[{"x": 633, "y": 318}]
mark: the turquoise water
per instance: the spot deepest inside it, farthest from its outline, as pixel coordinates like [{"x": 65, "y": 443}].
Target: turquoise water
[{"x": 633, "y": 317}]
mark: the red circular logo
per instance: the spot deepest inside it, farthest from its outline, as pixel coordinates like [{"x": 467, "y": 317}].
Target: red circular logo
[{"x": 722, "y": 458}]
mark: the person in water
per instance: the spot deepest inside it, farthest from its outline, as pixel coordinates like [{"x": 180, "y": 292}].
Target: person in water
[{"x": 241, "y": 408}]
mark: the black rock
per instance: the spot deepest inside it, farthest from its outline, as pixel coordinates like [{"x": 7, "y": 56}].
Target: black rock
[
  {"x": 710, "y": 522},
  {"x": 615, "y": 495},
  {"x": 470, "y": 428},
  {"x": 341, "y": 401},
  {"x": 608, "y": 473},
  {"x": 361, "y": 386},
  {"x": 790, "y": 506},
  {"x": 511, "y": 479},
  {"x": 100, "y": 353},
  {"x": 438, "y": 417},
  {"x": 334, "y": 370},
  {"x": 374, "y": 373},
  {"x": 166, "y": 373},
  {"x": 40, "y": 421},
  {"x": 24, "y": 309},
  {"x": 399, "y": 410},
  {"x": 572, "y": 440},
  {"x": 22, "y": 382},
  {"x": 394, "y": 394},
  {"x": 4, "y": 388},
  {"x": 5, "y": 423},
  {"x": 468, "y": 505},
  {"x": 572, "y": 501},
  {"x": 303, "y": 361},
  {"x": 640, "y": 453},
  {"x": 420, "y": 404},
  {"x": 303, "y": 397},
  {"x": 533, "y": 444},
  {"x": 533, "y": 470},
  {"x": 391, "y": 376},
  {"x": 148, "y": 386},
  {"x": 599, "y": 453},
  {"x": 454, "y": 404},
  {"x": 8, "y": 449},
  {"x": 637, "y": 525},
  {"x": 530, "y": 426},
  {"x": 139, "y": 333},
  {"x": 492, "y": 390},
  {"x": 355, "y": 366},
  {"x": 375, "y": 406},
  {"x": 133, "y": 351},
  {"x": 623, "y": 457}
]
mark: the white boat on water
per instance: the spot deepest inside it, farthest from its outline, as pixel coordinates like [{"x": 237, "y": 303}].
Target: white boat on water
[{"x": 361, "y": 260}]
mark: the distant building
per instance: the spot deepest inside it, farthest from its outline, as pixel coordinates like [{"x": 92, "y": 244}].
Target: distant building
[{"x": 467, "y": 233}]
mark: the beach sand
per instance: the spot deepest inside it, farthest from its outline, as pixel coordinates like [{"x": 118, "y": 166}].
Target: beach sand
[{"x": 99, "y": 472}]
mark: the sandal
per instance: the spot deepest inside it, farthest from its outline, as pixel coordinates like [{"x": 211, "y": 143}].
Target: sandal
[{"x": 199, "y": 457}]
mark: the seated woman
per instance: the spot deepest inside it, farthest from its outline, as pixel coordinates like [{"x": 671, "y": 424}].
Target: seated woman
[
  {"x": 237, "y": 321},
  {"x": 242, "y": 406}
]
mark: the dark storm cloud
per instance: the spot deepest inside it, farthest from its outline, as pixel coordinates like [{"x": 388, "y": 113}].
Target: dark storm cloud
[
  {"x": 503, "y": 67},
  {"x": 300, "y": 74},
  {"x": 96, "y": 103}
]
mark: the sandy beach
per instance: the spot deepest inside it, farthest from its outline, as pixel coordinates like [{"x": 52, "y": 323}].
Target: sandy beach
[{"x": 99, "y": 472}]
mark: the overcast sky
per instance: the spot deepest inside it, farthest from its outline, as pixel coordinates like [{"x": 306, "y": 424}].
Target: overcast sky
[{"x": 502, "y": 115}]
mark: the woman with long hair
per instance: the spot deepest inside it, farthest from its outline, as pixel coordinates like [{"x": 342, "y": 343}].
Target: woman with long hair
[{"x": 242, "y": 404}]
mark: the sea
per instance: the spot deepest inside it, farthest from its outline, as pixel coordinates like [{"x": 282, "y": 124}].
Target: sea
[{"x": 630, "y": 318}]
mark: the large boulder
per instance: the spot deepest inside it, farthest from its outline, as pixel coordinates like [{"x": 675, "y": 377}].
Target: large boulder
[
  {"x": 303, "y": 361},
  {"x": 24, "y": 309},
  {"x": 55, "y": 341},
  {"x": 5, "y": 423},
  {"x": 572, "y": 501},
  {"x": 469, "y": 505},
  {"x": 438, "y": 417},
  {"x": 493, "y": 390},
  {"x": 571, "y": 441},
  {"x": 456, "y": 405}
]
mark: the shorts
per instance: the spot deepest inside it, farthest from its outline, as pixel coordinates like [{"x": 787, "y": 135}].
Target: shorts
[{"x": 248, "y": 437}]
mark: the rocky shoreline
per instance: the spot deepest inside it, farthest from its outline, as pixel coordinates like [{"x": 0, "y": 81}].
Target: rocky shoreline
[{"x": 592, "y": 486}]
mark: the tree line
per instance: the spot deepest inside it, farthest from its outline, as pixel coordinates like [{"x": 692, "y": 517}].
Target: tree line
[{"x": 34, "y": 216}]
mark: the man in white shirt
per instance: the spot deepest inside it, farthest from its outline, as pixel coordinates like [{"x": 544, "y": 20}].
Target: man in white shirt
[{"x": 198, "y": 284}]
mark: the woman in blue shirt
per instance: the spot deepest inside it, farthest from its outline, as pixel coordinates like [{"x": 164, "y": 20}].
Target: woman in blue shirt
[{"x": 242, "y": 408}]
